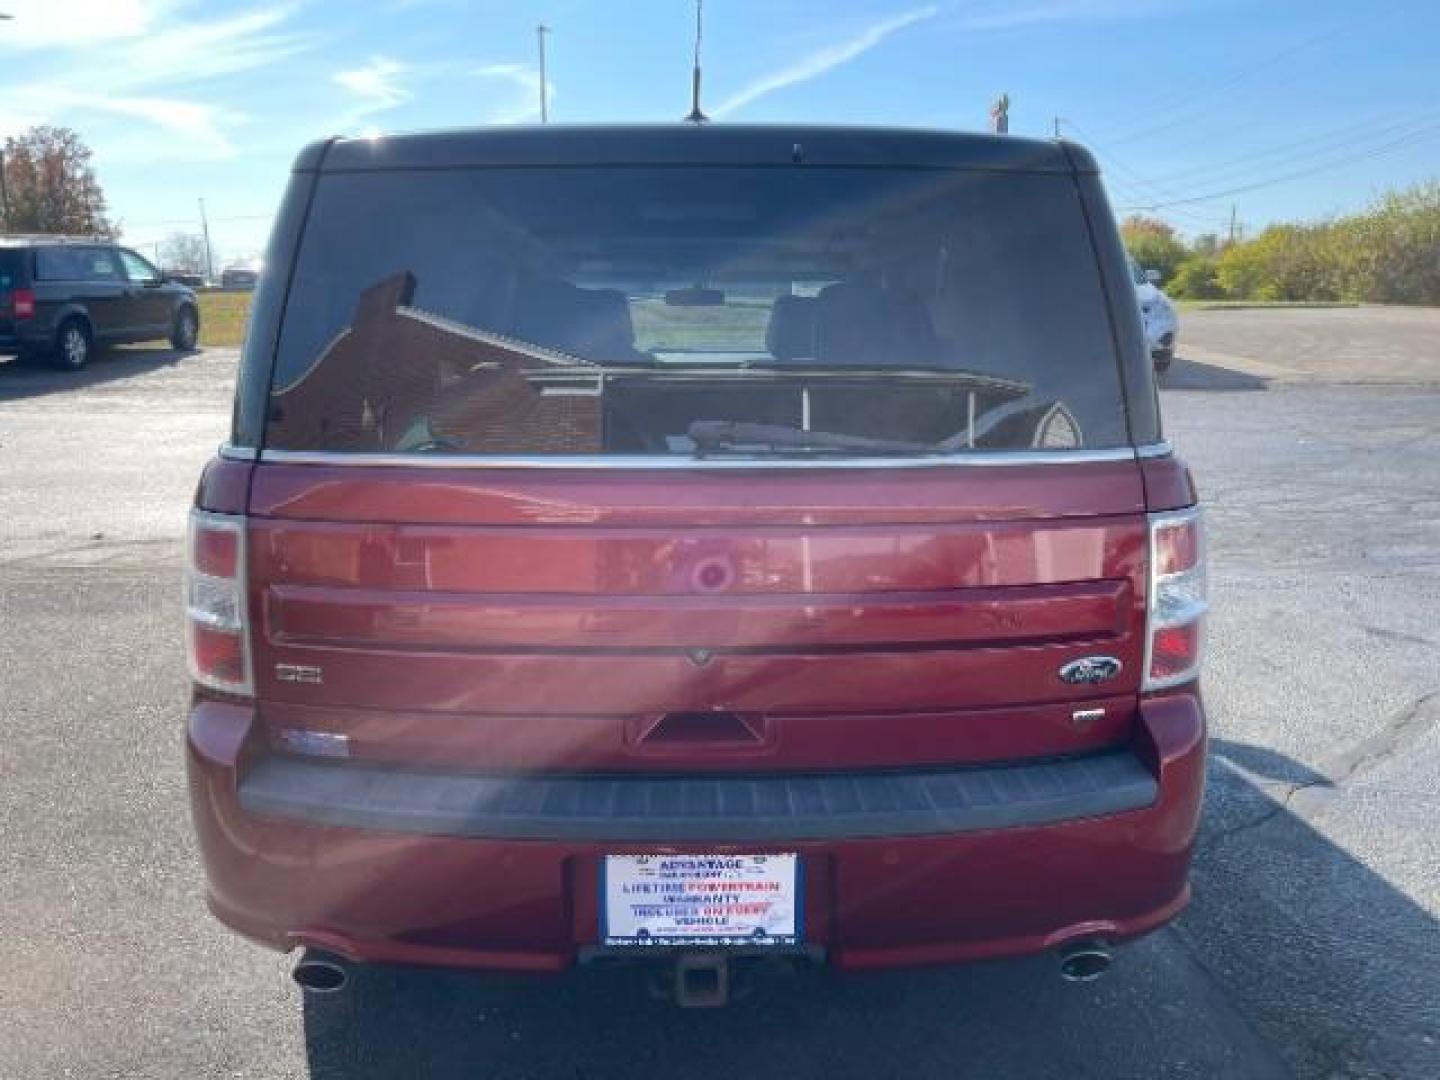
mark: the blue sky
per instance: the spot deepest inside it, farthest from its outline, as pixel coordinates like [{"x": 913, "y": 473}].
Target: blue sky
[{"x": 1315, "y": 106}]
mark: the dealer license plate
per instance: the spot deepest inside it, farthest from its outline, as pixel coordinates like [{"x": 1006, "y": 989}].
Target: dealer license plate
[{"x": 699, "y": 900}]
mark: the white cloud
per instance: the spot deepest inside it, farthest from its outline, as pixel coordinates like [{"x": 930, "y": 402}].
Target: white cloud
[
  {"x": 130, "y": 60},
  {"x": 201, "y": 126},
  {"x": 1010, "y": 16},
  {"x": 826, "y": 59},
  {"x": 521, "y": 100},
  {"x": 192, "y": 129},
  {"x": 377, "y": 84},
  {"x": 198, "y": 51},
  {"x": 40, "y": 24}
]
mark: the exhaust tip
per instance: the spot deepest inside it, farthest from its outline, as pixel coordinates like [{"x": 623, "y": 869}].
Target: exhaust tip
[
  {"x": 1085, "y": 962},
  {"x": 321, "y": 974}
]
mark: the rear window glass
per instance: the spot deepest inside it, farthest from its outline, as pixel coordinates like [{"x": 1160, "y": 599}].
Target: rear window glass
[{"x": 718, "y": 311}]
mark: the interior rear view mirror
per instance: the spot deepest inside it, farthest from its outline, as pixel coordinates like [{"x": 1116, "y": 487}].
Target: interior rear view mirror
[{"x": 695, "y": 296}]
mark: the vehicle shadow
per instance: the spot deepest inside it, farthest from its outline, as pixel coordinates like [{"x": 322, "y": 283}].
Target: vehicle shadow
[
  {"x": 27, "y": 380},
  {"x": 1267, "y": 974},
  {"x": 1193, "y": 375},
  {"x": 1336, "y": 966}
]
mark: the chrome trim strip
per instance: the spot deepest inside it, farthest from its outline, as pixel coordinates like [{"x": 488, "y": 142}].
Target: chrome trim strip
[
  {"x": 674, "y": 461},
  {"x": 238, "y": 453},
  {"x": 1154, "y": 450}
]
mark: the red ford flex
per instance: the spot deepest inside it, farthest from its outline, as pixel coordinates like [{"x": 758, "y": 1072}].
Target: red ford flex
[{"x": 696, "y": 543}]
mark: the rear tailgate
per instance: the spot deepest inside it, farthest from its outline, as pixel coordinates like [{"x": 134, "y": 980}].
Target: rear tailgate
[{"x": 689, "y": 619}]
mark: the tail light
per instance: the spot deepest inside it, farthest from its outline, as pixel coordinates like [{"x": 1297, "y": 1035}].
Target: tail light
[
  {"x": 22, "y": 304},
  {"x": 1177, "y": 605},
  {"x": 216, "y": 624}
]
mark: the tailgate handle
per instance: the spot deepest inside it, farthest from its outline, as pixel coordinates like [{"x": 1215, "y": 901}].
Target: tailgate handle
[{"x": 704, "y": 727}]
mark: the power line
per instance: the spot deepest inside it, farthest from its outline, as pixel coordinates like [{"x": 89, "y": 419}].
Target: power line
[
  {"x": 1395, "y": 144},
  {"x": 1155, "y": 193},
  {"x": 191, "y": 221},
  {"x": 1133, "y": 185},
  {"x": 1094, "y": 145},
  {"x": 1265, "y": 66},
  {"x": 1320, "y": 144}
]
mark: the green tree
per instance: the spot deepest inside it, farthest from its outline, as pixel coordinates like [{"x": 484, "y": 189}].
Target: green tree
[
  {"x": 184, "y": 253},
  {"x": 1196, "y": 279},
  {"x": 1153, "y": 244},
  {"x": 1388, "y": 253},
  {"x": 1206, "y": 244},
  {"x": 50, "y": 185},
  {"x": 1400, "y": 243},
  {"x": 1244, "y": 270}
]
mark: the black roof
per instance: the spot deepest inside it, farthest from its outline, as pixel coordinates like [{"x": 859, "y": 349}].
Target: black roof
[{"x": 696, "y": 144}]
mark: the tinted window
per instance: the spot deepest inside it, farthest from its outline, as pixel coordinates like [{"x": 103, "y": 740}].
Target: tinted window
[
  {"x": 136, "y": 268},
  {"x": 653, "y": 310},
  {"x": 75, "y": 264}
]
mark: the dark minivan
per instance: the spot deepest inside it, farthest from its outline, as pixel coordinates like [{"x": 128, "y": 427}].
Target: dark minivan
[
  {"x": 62, "y": 298},
  {"x": 696, "y": 543}
]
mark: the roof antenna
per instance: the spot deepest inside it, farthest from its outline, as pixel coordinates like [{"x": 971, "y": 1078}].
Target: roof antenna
[
  {"x": 540, "y": 32},
  {"x": 697, "y": 116}
]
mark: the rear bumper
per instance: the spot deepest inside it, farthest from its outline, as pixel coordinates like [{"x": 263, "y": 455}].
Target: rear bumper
[
  {"x": 10, "y": 343},
  {"x": 418, "y": 866}
]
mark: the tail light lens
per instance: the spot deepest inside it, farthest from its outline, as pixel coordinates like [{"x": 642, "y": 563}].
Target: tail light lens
[
  {"x": 22, "y": 304},
  {"x": 216, "y": 623},
  {"x": 1177, "y": 603}
]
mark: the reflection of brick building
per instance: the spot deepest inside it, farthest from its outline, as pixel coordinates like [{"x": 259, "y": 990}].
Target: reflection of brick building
[{"x": 403, "y": 379}]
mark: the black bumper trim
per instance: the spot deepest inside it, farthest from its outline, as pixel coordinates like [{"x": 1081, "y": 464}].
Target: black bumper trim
[{"x": 728, "y": 809}]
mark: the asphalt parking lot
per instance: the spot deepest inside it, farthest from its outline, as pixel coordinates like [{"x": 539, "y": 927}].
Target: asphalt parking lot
[{"x": 1312, "y": 947}]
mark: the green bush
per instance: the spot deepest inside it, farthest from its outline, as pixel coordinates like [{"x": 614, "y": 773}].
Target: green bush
[
  {"x": 1243, "y": 270},
  {"x": 1196, "y": 279},
  {"x": 1153, "y": 244},
  {"x": 1387, "y": 254}
]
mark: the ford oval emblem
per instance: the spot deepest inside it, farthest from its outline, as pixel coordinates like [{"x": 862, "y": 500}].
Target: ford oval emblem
[{"x": 1089, "y": 670}]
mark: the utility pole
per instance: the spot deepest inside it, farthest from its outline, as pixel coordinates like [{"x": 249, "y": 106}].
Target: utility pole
[
  {"x": 540, "y": 32},
  {"x": 205, "y": 230},
  {"x": 4, "y": 193},
  {"x": 1232, "y": 224}
]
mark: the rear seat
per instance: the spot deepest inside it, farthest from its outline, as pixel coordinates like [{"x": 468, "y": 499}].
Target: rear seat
[
  {"x": 851, "y": 324},
  {"x": 790, "y": 334},
  {"x": 594, "y": 324}
]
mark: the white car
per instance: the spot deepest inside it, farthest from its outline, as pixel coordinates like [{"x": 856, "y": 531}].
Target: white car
[{"x": 1157, "y": 313}]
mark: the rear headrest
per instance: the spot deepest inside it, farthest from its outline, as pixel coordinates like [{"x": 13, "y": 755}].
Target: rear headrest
[
  {"x": 852, "y": 327},
  {"x": 591, "y": 323},
  {"x": 861, "y": 325},
  {"x": 602, "y": 328},
  {"x": 790, "y": 334}
]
